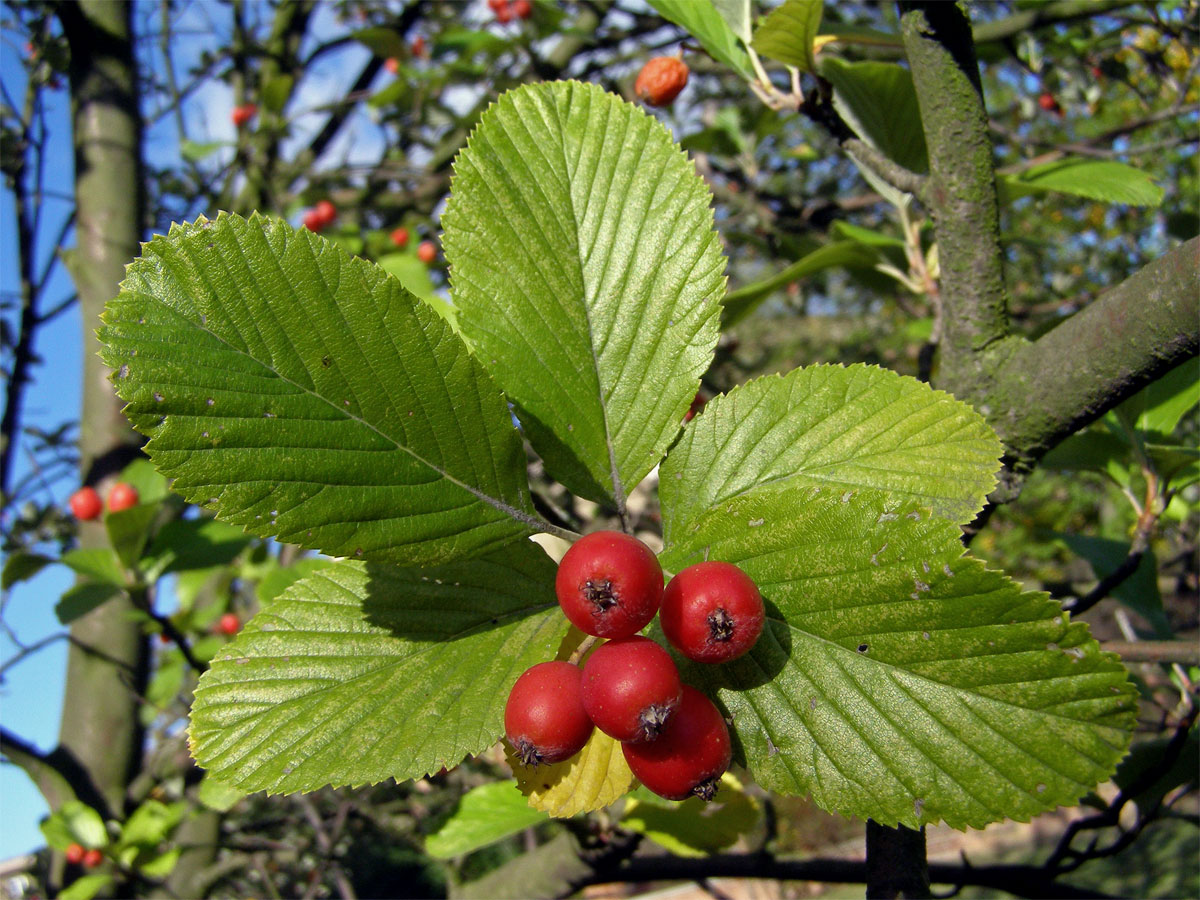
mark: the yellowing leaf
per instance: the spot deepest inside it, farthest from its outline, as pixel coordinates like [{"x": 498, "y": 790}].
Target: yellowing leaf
[{"x": 592, "y": 779}]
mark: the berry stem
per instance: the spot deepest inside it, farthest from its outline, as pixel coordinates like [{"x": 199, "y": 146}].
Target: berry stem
[{"x": 582, "y": 650}]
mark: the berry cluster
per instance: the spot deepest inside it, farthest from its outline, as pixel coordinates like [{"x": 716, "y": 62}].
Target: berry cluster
[
  {"x": 86, "y": 505},
  {"x": 674, "y": 738},
  {"x": 320, "y": 216},
  {"x": 507, "y": 10}
]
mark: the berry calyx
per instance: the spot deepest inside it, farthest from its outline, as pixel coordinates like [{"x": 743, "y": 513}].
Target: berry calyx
[
  {"x": 712, "y": 612},
  {"x": 690, "y": 755},
  {"x": 609, "y": 584},
  {"x": 242, "y": 114},
  {"x": 400, "y": 237},
  {"x": 92, "y": 858},
  {"x": 85, "y": 504},
  {"x": 427, "y": 252},
  {"x": 522, "y": 9},
  {"x": 122, "y": 496},
  {"x": 74, "y": 854},
  {"x": 544, "y": 718},
  {"x": 661, "y": 80},
  {"x": 229, "y": 624},
  {"x": 630, "y": 688}
]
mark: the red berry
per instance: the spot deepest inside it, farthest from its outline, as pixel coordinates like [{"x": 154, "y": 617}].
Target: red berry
[
  {"x": 312, "y": 220},
  {"x": 712, "y": 612},
  {"x": 85, "y": 504},
  {"x": 609, "y": 584},
  {"x": 1047, "y": 102},
  {"x": 661, "y": 80},
  {"x": 690, "y": 755},
  {"x": 92, "y": 858},
  {"x": 630, "y": 688},
  {"x": 544, "y": 717},
  {"x": 243, "y": 114},
  {"x": 392, "y": 65},
  {"x": 74, "y": 854},
  {"x": 504, "y": 14},
  {"x": 427, "y": 252},
  {"x": 418, "y": 46},
  {"x": 327, "y": 212},
  {"x": 400, "y": 237},
  {"x": 522, "y": 9},
  {"x": 229, "y": 624},
  {"x": 697, "y": 404},
  {"x": 122, "y": 496}
]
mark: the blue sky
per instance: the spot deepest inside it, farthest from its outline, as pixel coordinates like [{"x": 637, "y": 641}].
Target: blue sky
[{"x": 31, "y": 690}]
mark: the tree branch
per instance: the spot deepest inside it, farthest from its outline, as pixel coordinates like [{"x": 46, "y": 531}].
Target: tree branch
[{"x": 1138, "y": 331}]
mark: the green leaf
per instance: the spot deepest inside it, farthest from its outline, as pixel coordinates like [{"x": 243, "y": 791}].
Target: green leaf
[
  {"x": 151, "y": 823},
  {"x": 879, "y": 103},
  {"x": 1094, "y": 450},
  {"x": 185, "y": 544},
  {"x": 702, "y": 20},
  {"x": 85, "y": 887},
  {"x": 278, "y": 580},
  {"x": 1105, "y": 180},
  {"x": 414, "y": 275},
  {"x": 587, "y": 274},
  {"x": 841, "y": 428},
  {"x": 306, "y": 395},
  {"x": 216, "y": 794},
  {"x": 787, "y": 33},
  {"x": 736, "y": 14},
  {"x": 194, "y": 151},
  {"x": 485, "y": 814},
  {"x": 75, "y": 822},
  {"x": 866, "y": 236},
  {"x": 80, "y": 599},
  {"x": 898, "y": 678},
  {"x": 693, "y": 827},
  {"x": 740, "y": 303},
  {"x": 1165, "y": 401},
  {"x": 1139, "y": 591},
  {"x": 1148, "y": 756},
  {"x": 382, "y": 41},
  {"x": 362, "y": 672},
  {"x": 276, "y": 91},
  {"x": 392, "y": 94},
  {"x": 129, "y": 529},
  {"x": 21, "y": 566},
  {"x": 160, "y": 866},
  {"x": 96, "y": 563}
]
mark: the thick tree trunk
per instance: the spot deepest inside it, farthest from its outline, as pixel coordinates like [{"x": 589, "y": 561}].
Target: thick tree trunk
[{"x": 107, "y": 662}]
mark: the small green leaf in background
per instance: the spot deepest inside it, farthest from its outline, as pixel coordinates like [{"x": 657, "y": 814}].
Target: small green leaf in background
[
  {"x": 414, "y": 275},
  {"x": 736, "y": 14},
  {"x": 702, "y": 20},
  {"x": 878, "y": 101},
  {"x": 276, "y": 91},
  {"x": 74, "y": 823},
  {"x": 597, "y": 317},
  {"x": 85, "y": 887},
  {"x": 1147, "y": 756},
  {"x": 866, "y": 236},
  {"x": 184, "y": 544},
  {"x": 151, "y": 823},
  {"x": 21, "y": 566},
  {"x": 787, "y": 34},
  {"x": 129, "y": 530},
  {"x": 279, "y": 578},
  {"x": 95, "y": 563},
  {"x": 382, "y": 41},
  {"x": 194, "y": 151},
  {"x": 1139, "y": 591},
  {"x": 363, "y": 672},
  {"x": 80, "y": 599},
  {"x": 485, "y": 814},
  {"x": 1105, "y": 180},
  {"x": 217, "y": 794},
  {"x": 304, "y": 394},
  {"x": 1161, "y": 404},
  {"x": 693, "y": 827},
  {"x": 740, "y": 303}
]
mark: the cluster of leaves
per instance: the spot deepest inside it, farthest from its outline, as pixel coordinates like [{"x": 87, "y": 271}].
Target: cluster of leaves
[{"x": 305, "y": 395}]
